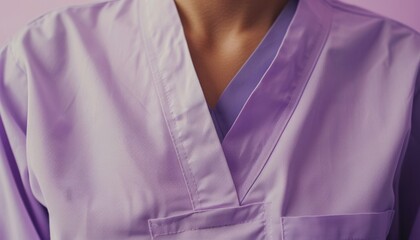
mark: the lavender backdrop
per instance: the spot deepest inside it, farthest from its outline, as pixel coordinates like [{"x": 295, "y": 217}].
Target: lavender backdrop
[{"x": 15, "y": 13}]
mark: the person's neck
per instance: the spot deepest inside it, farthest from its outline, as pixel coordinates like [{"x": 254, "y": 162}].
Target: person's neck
[{"x": 210, "y": 19}]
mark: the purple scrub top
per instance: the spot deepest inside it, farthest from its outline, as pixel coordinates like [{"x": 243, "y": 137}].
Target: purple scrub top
[{"x": 105, "y": 132}]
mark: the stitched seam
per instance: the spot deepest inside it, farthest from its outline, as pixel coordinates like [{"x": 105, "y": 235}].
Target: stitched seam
[
  {"x": 181, "y": 151},
  {"x": 151, "y": 229},
  {"x": 179, "y": 146},
  {"x": 280, "y": 47},
  {"x": 296, "y": 103},
  {"x": 210, "y": 227},
  {"x": 163, "y": 109},
  {"x": 266, "y": 223},
  {"x": 227, "y": 224},
  {"x": 158, "y": 76},
  {"x": 283, "y": 230},
  {"x": 172, "y": 221}
]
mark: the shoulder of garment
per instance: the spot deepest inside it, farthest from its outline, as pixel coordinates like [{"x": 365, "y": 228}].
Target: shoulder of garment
[
  {"x": 393, "y": 32},
  {"x": 359, "y": 11},
  {"x": 54, "y": 23}
]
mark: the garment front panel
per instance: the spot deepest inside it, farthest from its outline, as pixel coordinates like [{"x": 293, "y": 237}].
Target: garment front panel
[{"x": 106, "y": 134}]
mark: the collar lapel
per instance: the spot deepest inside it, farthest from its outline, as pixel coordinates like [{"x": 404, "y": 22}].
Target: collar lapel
[
  {"x": 263, "y": 118},
  {"x": 199, "y": 151},
  {"x": 215, "y": 174}
]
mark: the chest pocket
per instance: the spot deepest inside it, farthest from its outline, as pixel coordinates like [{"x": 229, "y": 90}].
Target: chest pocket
[
  {"x": 363, "y": 226},
  {"x": 233, "y": 223}
]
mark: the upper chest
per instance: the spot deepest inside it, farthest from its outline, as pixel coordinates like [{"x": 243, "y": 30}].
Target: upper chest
[{"x": 218, "y": 62}]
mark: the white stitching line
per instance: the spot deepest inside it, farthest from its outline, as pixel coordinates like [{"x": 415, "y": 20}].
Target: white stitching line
[
  {"x": 388, "y": 214},
  {"x": 296, "y": 102},
  {"x": 157, "y": 75},
  {"x": 259, "y": 216},
  {"x": 149, "y": 223},
  {"x": 266, "y": 224},
  {"x": 181, "y": 150},
  {"x": 283, "y": 230},
  {"x": 210, "y": 227},
  {"x": 181, "y": 147}
]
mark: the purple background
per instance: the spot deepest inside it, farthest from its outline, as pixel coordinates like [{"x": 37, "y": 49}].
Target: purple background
[{"x": 15, "y": 13}]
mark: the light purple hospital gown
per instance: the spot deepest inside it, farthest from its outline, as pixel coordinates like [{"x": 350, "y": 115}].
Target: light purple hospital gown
[{"x": 105, "y": 132}]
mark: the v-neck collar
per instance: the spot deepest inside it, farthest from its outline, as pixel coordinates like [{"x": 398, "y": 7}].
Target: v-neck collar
[
  {"x": 246, "y": 79},
  {"x": 222, "y": 174}
]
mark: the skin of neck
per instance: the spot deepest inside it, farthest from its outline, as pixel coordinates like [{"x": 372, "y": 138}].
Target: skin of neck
[{"x": 215, "y": 20}]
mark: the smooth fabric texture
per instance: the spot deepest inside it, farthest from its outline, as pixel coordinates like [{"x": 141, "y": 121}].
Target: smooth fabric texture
[
  {"x": 106, "y": 134},
  {"x": 249, "y": 75}
]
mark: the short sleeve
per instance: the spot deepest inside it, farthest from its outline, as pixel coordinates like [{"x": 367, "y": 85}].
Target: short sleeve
[
  {"x": 21, "y": 215},
  {"x": 409, "y": 183}
]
